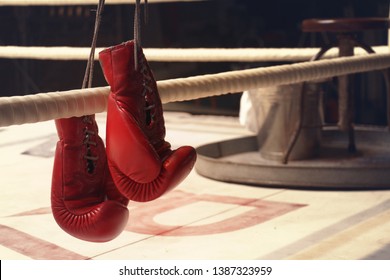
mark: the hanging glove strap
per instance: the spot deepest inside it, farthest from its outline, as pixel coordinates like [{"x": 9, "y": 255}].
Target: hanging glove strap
[
  {"x": 137, "y": 28},
  {"x": 87, "y": 81}
]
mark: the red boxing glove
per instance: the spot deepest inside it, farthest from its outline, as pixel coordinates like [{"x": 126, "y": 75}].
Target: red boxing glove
[
  {"x": 141, "y": 162},
  {"x": 84, "y": 200}
]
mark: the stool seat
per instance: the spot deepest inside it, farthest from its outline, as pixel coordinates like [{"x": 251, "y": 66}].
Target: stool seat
[{"x": 345, "y": 24}]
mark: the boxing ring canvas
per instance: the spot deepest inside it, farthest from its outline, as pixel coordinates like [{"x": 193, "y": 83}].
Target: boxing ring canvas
[{"x": 200, "y": 219}]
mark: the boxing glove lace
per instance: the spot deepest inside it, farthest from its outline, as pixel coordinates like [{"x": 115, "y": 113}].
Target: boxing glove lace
[{"x": 142, "y": 163}]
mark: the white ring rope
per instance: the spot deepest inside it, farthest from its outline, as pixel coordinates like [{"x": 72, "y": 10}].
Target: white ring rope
[
  {"x": 78, "y": 2},
  {"x": 181, "y": 55},
  {"x": 47, "y": 106}
]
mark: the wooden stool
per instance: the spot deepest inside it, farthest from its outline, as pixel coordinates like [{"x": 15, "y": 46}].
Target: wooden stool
[{"x": 346, "y": 30}]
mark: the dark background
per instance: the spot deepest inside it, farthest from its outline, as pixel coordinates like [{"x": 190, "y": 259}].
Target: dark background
[{"x": 218, "y": 23}]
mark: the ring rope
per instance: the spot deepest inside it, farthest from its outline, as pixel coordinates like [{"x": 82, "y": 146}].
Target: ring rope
[
  {"x": 47, "y": 106},
  {"x": 78, "y": 2},
  {"x": 181, "y": 55}
]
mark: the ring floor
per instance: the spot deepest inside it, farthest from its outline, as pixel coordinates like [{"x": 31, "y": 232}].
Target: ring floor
[{"x": 200, "y": 219}]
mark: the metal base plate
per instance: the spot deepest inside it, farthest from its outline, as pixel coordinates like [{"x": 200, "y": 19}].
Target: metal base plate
[{"x": 239, "y": 161}]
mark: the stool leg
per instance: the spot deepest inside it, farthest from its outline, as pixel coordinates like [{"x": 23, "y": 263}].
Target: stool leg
[
  {"x": 298, "y": 127},
  {"x": 346, "y": 104},
  {"x": 386, "y": 75},
  {"x": 365, "y": 47},
  {"x": 322, "y": 51}
]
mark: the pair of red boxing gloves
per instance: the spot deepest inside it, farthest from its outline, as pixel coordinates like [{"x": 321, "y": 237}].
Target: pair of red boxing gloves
[{"x": 92, "y": 184}]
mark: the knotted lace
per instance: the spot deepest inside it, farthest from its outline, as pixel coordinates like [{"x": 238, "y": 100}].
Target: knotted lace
[{"x": 89, "y": 140}]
